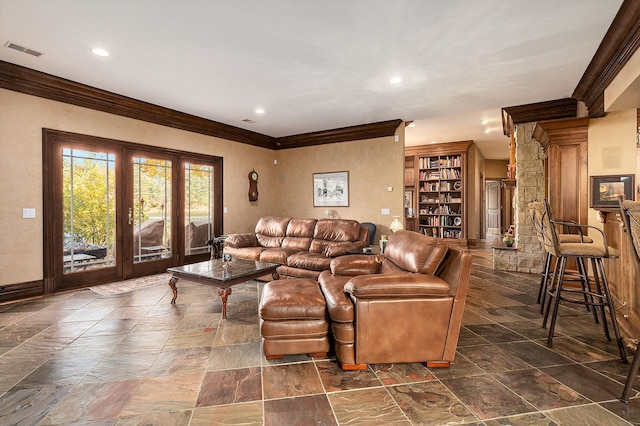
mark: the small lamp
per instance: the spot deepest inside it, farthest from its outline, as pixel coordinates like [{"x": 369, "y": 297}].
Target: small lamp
[{"x": 396, "y": 224}]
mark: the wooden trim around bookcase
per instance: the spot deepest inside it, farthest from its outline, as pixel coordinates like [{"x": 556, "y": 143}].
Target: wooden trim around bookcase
[{"x": 450, "y": 148}]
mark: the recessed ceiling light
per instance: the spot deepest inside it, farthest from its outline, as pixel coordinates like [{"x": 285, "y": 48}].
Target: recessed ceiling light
[
  {"x": 100, "y": 51},
  {"x": 484, "y": 122},
  {"x": 259, "y": 111},
  {"x": 487, "y": 130},
  {"x": 396, "y": 80},
  {"x": 412, "y": 124},
  {"x": 433, "y": 141}
]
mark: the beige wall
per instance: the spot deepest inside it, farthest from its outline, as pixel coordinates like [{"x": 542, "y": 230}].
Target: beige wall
[
  {"x": 495, "y": 169},
  {"x": 612, "y": 149},
  {"x": 372, "y": 164}
]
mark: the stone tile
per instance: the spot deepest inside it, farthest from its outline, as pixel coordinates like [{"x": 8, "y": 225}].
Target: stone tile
[
  {"x": 304, "y": 410},
  {"x": 531, "y": 419},
  {"x": 179, "y": 362},
  {"x": 630, "y": 412},
  {"x": 430, "y": 403},
  {"x": 173, "y": 418},
  {"x": 234, "y": 356},
  {"x": 191, "y": 338},
  {"x": 247, "y": 413},
  {"x": 578, "y": 351},
  {"x": 540, "y": 390},
  {"x": 281, "y": 381},
  {"x": 493, "y": 358},
  {"x": 29, "y": 406},
  {"x": 535, "y": 354},
  {"x": 393, "y": 374},
  {"x": 495, "y": 333},
  {"x": 585, "y": 381},
  {"x": 92, "y": 402},
  {"x": 367, "y": 406},
  {"x": 168, "y": 393},
  {"x": 460, "y": 367},
  {"x": 334, "y": 379},
  {"x": 586, "y": 415},
  {"x": 230, "y": 387},
  {"x": 486, "y": 397},
  {"x": 237, "y": 334}
]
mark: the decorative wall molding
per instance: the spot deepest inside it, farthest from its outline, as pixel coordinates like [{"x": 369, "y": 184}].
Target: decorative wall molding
[
  {"x": 36, "y": 83},
  {"x": 540, "y": 111},
  {"x": 618, "y": 45}
]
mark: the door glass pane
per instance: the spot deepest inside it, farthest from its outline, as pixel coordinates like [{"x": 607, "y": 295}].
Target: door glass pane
[
  {"x": 89, "y": 210},
  {"x": 198, "y": 208},
  {"x": 151, "y": 213}
]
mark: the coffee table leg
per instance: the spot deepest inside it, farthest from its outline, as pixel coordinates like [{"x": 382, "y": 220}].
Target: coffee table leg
[
  {"x": 224, "y": 293},
  {"x": 172, "y": 283}
]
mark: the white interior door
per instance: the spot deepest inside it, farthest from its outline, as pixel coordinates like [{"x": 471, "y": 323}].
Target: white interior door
[{"x": 492, "y": 191}]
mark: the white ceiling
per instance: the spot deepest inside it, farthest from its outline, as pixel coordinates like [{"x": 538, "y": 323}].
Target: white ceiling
[{"x": 319, "y": 65}]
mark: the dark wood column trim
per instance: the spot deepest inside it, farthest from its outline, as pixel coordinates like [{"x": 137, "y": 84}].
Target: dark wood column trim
[
  {"x": 540, "y": 111},
  {"x": 618, "y": 45},
  {"x": 561, "y": 131}
]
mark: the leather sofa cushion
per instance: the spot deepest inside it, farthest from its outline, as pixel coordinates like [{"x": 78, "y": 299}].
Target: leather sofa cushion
[
  {"x": 249, "y": 253},
  {"x": 292, "y": 299},
  {"x": 294, "y": 329},
  {"x": 277, "y": 255},
  {"x": 247, "y": 239},
  {"x": 287, "y": 271},
  {"x": 415, "y": 252},
  {"x": 339, "y": 304},
  {"x": 270, "y": 230},
  {"x": 310, "y": 261},
  {"x": 301, "y": 228},
  {"x": 337, "y": 230},
  {"x": 356, "y": 264},
  {"x": 400, "y": 285}
]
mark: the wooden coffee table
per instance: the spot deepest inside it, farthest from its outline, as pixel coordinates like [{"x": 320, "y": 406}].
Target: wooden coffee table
[{"x": 213, "y": 272}]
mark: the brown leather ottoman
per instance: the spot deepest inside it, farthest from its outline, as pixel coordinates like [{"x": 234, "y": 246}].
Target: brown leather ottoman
[{"x": 293, "y": 319}]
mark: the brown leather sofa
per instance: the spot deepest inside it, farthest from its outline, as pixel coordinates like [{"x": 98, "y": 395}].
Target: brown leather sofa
[
  {"x": 304, "y": 247},
  {"x": 403, "y": 306}
]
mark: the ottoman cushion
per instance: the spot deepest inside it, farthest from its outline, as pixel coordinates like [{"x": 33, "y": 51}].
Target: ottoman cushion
[{"x": 292, "y": 299}]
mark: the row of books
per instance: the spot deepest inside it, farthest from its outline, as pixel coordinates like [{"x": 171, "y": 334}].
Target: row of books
[
  {"x": 441, "y": 221},
  {"x": 442, "y": 209},
  {"x": 442, "y": 198},
  {"x": 438, "y": 162},
  {"x": 441, "y": 232}
]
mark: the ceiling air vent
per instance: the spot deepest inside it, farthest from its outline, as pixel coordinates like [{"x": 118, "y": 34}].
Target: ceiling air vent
[
  {"x": 248, "y": 120},
  {"x": 23, "y": 49}
]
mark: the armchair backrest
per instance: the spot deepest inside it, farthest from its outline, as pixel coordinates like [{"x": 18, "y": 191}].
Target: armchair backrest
[{"x": 413, "y": 252}]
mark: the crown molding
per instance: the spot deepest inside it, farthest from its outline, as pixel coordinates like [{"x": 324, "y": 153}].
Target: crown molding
[
  {"x": 618, "y": 45},
  {"x": 540, "y": 111},
  {"x": 36, "y": 83},
  {"x": 344, "y": 134}
]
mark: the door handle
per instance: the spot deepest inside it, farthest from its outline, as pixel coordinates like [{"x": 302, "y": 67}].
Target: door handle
[{"x": 130, "y": 218}]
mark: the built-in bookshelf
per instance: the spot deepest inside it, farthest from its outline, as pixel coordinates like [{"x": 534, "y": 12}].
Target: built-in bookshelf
[
  {"x": 441, "y": 196},
  {"x": 440, "y": 186}
]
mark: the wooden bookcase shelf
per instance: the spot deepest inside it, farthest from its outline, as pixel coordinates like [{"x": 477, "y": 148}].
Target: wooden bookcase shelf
[{"x": 440, "y": 190}]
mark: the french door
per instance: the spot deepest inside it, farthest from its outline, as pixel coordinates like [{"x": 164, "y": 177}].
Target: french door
[{"x": 116, "y": 210}]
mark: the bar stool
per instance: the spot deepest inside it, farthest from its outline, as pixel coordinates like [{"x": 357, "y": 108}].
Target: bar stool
[
  {"x": 630, "y": 214},
  {"x": 537, "y": 211},
  {"x": 599, "y": 298}
]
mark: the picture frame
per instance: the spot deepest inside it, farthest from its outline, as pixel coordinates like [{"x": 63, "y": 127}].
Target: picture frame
[
  {"x": 606, "y": 189},
  {"x": 331, "y": 189}
]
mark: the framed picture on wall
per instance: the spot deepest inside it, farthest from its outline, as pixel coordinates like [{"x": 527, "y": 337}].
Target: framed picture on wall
[
  {"x": 331, "y": 189},
  {"x": 605, "y": 190}
]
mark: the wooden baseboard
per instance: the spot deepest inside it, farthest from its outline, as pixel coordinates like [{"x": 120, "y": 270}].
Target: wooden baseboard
[{"x": 18, "y": 291}]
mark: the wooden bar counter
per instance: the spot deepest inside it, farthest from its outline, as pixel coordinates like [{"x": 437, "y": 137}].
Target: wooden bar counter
[{"x": 622, "y": 273}]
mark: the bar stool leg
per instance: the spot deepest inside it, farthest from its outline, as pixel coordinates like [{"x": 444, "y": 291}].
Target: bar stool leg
[
  {"x": 603, "y": 299},
  {"x": 631, "y": 378},
  {"x": 556, "y": 301},
  {"x": 589, "y": 300},
  {"x": 612, "y": 312},
  {"x": 551, "y": 288},
  {"x": 544, "y": 281}
]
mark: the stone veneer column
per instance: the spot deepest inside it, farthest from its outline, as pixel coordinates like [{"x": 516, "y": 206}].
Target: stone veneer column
[{"x": 530, "y": 186}]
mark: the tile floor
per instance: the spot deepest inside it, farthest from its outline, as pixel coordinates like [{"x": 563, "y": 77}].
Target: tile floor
[{"x": 134, "y": 359}]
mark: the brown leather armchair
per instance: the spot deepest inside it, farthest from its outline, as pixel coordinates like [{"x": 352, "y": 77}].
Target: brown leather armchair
[{"x": 403, "y": 306}]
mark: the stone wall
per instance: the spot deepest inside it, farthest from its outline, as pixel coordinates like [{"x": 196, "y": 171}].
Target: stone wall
[{"x": 530, "y": 186}]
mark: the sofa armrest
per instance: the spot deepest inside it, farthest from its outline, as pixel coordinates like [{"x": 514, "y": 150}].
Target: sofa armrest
[
  {"x": 342, "y": 248},
  {"x": 242, "y": 240},
  {"x": 396, "y": 286},
  {"x": 356, "y": 264}
]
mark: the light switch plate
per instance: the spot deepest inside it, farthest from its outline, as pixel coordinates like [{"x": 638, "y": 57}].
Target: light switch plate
[
  {"x": 28, "y": 213},
  {"x": 386, "y": 212}
]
